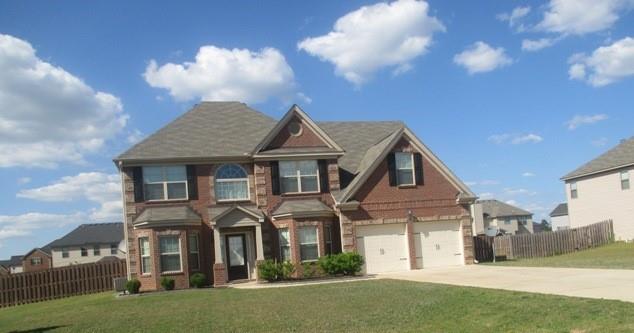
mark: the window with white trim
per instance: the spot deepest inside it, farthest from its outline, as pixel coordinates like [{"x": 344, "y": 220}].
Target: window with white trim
[
  {"x": 170, "y": 251},
  {"x": 328, "y": 239},
  {"x": 231, "y": 183},
  {"x": 146, "y": 260},
  {"x": 522, "y": 220},
  {"x": 285, "y": 244},
  {"x": 308, "y": 244},
  {"x": 573, "y": 190},
  {"x": 36, "y": 261},
  {"x": 165, "y": 182},
  {"x": 84, "y": 252},
  {"x": 194, "y": 257},
  {"x": 507, "y": 220},
  {"x": 299, "y": 176},
  {"x": 404, "y": 168},
  {"x": 625, "y": 180},
  {"x": 114, "y": 249},
  {"x": 96, "y": 250},
  {"x": 64, "y": 252}
]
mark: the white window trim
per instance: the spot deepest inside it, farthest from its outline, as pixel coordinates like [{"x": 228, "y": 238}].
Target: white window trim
[
  {"x": 398, "y": 181},
  {"x": 197, "y": 252},
  {"x": 316, "y": 241},
  {"x": 575, "y": 189},
  {"x": 165, "y": 182},
  {"x": 180, "y": 256},
  {"x": 227, "y": 180},
  {"x": 81, "y": 252},
  {"x": 625, "y": 179},
  {"x": 65, "y": 250},
  {"x": 115, "y": 248},
  {"x": 96, "y": 248},
  {"x": 143, "y": 268},
  {"x": 34, "y": 263},
  {"x": 298, "y": 176},
  {"x": 290, "y": 248}
]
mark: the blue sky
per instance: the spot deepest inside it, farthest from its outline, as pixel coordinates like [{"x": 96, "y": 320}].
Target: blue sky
[{"x": 511, "y": 95}]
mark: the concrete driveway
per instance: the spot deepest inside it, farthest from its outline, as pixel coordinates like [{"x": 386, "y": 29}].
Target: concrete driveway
[{"x": 592, "y": 283}]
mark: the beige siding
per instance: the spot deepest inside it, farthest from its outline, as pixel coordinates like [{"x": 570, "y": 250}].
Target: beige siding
[
  {"x": 560, "y": 222},
  {"x": 600, "y": 198},
  {"x": 75, "y": 258}
]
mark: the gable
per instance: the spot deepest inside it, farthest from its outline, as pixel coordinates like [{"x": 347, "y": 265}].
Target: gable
[
  {"x": 236, "y": 218},
  {"x": 286, "y": 138}
]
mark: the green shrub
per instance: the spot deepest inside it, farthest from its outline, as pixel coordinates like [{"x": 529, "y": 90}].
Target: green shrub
[
  {"x": 311, "y": 270},
  {"x": 197, "y": 280},
  {"x": 167, "y": 283},
  {"x": 133, "y": 286},
  {"x": 287, "y": 269},
  {"x": 270, "y": 270},
  {"x": 347, "y": 263}
]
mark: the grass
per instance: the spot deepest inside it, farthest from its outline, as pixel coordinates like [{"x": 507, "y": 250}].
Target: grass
[
  {"x": 619, "y": 255},
  {"x": 363, "y": 306}
]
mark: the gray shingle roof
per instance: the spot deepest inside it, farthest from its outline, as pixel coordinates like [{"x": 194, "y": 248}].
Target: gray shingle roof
[
  {"x": 560, "y": 210},
  {"x": 13, "y": 261},
  {"x": 216, "y": 211},
  {"x": 619, "y": 156},
  {"x": 210, "y": 129},
  {"x": 95, "y": 233},
  {"x": 302, "y": 206},
  {"x": 495, "y": 208},
  {"x": 168, "y": 214}
]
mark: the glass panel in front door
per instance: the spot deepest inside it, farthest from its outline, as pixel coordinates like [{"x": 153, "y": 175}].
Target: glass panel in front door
[{"x": 236, "y": 251}]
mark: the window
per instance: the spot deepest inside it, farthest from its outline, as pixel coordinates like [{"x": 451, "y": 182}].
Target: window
[
  {"x": 404, "y": 168},
  {"x": 573, "y": 190},
  {"x": 522, "y": 220},
  {"x": 328, "y": 239},
  {"x": 625, "y": 180},
  {"x": 308, "y": 246},
  {"x": 64, "y": 252},
  {"x": 170, "y": 250},
  {"x": 36, "y": 261},
  {"x": 232, "y": 183},
  {"x": 114, "y": 249},
  {"x": 194, "y": 259},
  {"x": 96, "y": 251},
  {"x": 299, "y": 176},
  {"x": 507, "y": 221},
  {"x": 146, "y": 261},
  {"x": 285, "y": 245},
  {"x": 165, "y": 182},
  {"x": 84, "y": 252}
]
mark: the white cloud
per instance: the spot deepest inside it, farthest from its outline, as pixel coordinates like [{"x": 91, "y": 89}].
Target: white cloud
[
  {"x": 511, "y": 202},
  {"x": 135, "y": 136},
  {"x": 578, "y": 17},
  {"x": 532, "y": 45},
  {"x": 24, "y": 180},
  {"x": 486, "y": 195},
  {"x": 528, "y": 174},
  {"x": 374, "y": 37},
  {"x": 518, "y": 191},
  {"x": 514, "y": 17},
  {"x": 25, "y": 224},
  {"x": 484, "y": 182},
  {"x": 580, "y": 120},
  {"x": 47, "y": 115},
  {"x": 607, "y": 64},
  {"x": 600, "y": 142},
  {"x": 219, "y": 74},
  {"x": 97, "y": 187},
  {"x": 515, "y": 139},
  {"x": 480, "y": 58}
]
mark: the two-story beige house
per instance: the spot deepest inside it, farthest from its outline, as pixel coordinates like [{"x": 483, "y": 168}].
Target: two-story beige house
[
  {"x": 600, "y": 190},
  {"x": 497, "y": 217}
]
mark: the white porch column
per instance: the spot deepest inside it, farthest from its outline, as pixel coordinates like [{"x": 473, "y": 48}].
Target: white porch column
[
  {"x": 259, "y": 253},
  {"x": 217, "y": 246}
]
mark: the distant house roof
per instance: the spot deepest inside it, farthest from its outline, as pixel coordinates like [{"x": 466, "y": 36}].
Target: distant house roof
[
  {"x": 495, "y": 208},
  {"x": 95, "y": 233},
  {"x": 560, "y": 210},
  {"x": 620, "y": 156},
  {"x": 13, "y": 261}
]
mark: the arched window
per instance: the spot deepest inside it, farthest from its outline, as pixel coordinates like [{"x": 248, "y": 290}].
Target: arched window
[{"x": 232, "y": 183}]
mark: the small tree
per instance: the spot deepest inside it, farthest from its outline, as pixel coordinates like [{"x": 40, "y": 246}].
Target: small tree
[{"x": 546, "y": 226}]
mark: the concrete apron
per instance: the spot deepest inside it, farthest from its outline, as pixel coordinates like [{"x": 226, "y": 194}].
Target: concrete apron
[{"x": 614, "y": 284}]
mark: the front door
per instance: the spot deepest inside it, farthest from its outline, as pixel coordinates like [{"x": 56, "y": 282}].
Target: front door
[{"x": 237, "y": 257}]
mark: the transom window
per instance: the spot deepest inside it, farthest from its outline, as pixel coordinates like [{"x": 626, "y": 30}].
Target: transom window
[
  {"x": 146, "y": 261},
  {"x": 308, "y": 245},
  {"x": 625, "y": 180},
  {"x": 573, "y": 190},
  {"x": 165, "y": 182},
  {"x": 285, "y": 245},
  {"x": 404, "y": 168},
  {"x": 299, "y": 176},
  {"x": 194, "y": 258},
  {"x": 170, "y": 251},
  {"x": 232, "y": 183}
]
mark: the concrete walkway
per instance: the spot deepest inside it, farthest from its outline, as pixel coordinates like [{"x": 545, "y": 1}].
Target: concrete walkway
[{"x": 592, "y": 283}]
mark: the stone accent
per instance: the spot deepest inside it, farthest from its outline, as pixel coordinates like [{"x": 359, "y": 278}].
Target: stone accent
[
  {"x": 333, "y": 175},
  {"x": 467, "y": 241},
  {"x": 220, "y": 275},
  {"x": 260, "y": 184}
]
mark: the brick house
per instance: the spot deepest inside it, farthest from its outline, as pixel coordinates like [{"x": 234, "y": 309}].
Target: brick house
[
  {"x": 38, "y": 259},
  {"x": 224, "y": 187}
]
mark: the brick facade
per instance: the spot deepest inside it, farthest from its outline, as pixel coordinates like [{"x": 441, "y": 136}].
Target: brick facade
[
  {"x": 45, "y": 261},
  {"x": 306, "y": 138}
]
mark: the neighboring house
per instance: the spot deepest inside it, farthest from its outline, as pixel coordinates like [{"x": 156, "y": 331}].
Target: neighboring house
[
  {"x": 223, "y": 187},
  {"x": 13, "y": 265},
  {"x": 559, "y": 217},
  {"x": 500, "y": 216},
  {"x": 600, "y": 190},
  {"x": 38, "y": 259},
  {"x": 89, "y": 243}
]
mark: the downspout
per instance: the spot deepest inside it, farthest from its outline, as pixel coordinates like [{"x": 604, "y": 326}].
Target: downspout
[{"x": 125, "y": 220}]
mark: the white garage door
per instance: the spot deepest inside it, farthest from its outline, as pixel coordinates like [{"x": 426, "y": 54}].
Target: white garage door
[
  {"x": 384, "y": 248},
  {"x": 438, "y": 244}
]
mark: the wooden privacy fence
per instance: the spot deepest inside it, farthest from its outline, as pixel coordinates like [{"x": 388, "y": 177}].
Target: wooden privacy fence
[
  {"x": 59, "y": 282},
  {"x": 543, "y": 244}
]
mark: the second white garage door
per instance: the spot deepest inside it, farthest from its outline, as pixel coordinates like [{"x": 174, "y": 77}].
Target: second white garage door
[
  {"x": 438, "y": 244},
  {"x": 384, "y": 247}
]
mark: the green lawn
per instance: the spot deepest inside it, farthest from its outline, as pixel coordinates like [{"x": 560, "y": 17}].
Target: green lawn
[
  {"x": 363, "y": 306},
  {"x": 618, "y": 255}
]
